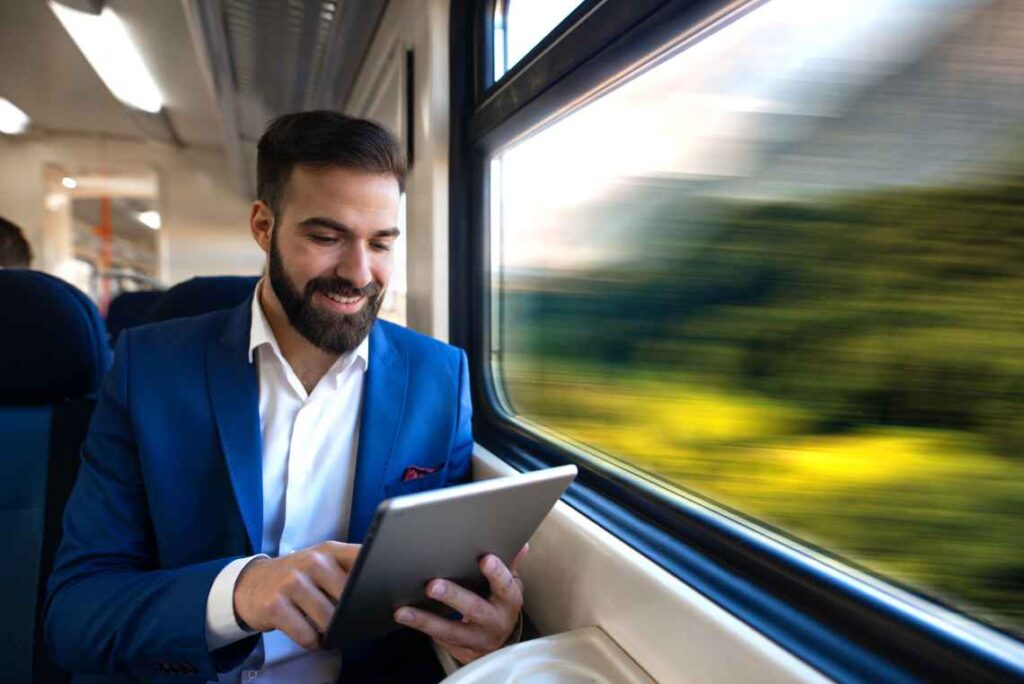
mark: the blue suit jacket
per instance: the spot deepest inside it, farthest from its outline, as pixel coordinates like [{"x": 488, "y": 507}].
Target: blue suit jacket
[{"x": 170, "y": 488}]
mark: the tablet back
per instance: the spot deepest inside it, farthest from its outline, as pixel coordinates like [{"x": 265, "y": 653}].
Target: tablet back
[{"x": 441, "y": 533}]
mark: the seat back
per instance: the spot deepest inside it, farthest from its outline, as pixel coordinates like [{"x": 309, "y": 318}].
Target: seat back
[
  {"x": 202, "y": 295},
  {"x": 128, "y": 310},
  {"x": 53, "y": 355}
]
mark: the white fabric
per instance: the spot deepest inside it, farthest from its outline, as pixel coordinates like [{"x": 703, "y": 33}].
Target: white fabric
[
  {"x": 221, "y": 626},
  {"x": 309, "y": 454}
]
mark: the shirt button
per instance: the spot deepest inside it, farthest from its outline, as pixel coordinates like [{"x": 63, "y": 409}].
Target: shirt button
[{"x": 250, "y": 675}]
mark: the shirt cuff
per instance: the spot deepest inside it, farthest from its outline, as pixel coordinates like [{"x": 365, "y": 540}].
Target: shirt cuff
[{"x": 222, "y": 627}]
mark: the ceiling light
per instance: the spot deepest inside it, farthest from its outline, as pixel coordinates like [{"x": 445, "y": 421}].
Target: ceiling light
[
  {"x": 12, "y": 120},
  {"x": 107, "y": 46},
  {"x": 69, "y": 182},
  {"x": 150, "y": 218}
]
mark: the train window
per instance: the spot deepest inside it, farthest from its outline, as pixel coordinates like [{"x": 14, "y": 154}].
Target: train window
[
  {"x": 521, "y": 24},
  {"x": 393, "y": 308},
  {"x": 780, "y": 268}
]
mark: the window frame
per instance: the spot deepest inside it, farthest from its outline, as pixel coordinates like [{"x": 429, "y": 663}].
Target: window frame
[{"x": 847, "y": 624}]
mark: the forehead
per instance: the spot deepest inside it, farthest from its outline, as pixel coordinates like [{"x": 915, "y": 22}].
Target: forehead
[{"x": 342, "y": 193}]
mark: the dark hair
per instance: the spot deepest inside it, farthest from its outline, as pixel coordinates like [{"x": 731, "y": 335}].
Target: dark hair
[
  {"x": 322, "y": 138},
  {"x": 14, "y": 249}
]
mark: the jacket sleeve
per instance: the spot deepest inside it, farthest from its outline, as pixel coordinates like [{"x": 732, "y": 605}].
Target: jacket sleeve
[
  {"x": 461, "y": 456},
  {"x": 110, "y": 607}
]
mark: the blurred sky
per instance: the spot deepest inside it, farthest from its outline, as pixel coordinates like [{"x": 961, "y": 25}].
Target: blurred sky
[
  {"x": 715, "y": 111},
  {"x": 528, "y": 22}
]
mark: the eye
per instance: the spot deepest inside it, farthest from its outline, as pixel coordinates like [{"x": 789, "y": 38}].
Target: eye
[
  {"x": 323, "y": 239},
  {"x": 381, "y": 246}
]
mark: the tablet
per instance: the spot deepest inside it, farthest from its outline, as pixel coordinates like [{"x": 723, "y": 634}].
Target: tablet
[{"x": 439, "y": 534}]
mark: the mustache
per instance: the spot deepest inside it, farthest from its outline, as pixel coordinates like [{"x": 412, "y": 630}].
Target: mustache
[{"x": 343, "y": 288}]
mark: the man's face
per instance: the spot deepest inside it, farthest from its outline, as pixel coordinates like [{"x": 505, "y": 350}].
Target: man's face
[{"x": 330, "y": 252}]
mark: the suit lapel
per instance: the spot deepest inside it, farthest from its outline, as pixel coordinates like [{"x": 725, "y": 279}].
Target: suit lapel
[
  {"x": 234, "y": 393},
  {"x": 384, "y": 392}
]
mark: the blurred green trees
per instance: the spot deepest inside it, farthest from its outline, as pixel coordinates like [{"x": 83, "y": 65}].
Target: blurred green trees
[
  {"x": 850, "y": 369},
  {"x": 901, "y": 307}
]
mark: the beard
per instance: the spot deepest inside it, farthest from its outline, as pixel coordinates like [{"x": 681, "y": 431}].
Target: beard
[{"x": 330, "y": 331}]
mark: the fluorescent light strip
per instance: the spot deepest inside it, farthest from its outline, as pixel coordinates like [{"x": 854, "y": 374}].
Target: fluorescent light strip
[
  {"x": 12, "y": 120},
  {"x": 107, "y": 46}
]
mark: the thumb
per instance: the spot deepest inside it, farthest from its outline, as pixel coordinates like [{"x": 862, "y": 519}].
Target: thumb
[
  {"x": 519, "y": 557},
  {"x": 345, "y": 554}
]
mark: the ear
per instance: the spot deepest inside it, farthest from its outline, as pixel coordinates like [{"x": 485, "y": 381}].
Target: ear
[{"x": 261, "y": 223}]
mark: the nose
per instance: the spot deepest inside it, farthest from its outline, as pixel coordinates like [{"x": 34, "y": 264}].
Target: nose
[{"x": 354, "y": 265}]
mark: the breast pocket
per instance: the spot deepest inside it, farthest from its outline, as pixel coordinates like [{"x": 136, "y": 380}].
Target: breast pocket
[{"x": 422, "y": 483}]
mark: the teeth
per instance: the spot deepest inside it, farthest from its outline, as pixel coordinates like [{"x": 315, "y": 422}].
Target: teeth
[{"x": 344, "y": 300}]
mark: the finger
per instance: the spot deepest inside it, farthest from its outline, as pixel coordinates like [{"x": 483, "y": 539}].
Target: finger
[
  {"x": 292, "y": 622},
  {"x": 311, "y": 601},
  {"x": 523, "y": 552},
  {"x": 474, "y": 608},
  {"x": 344, "y": 554},
  {"x": 505, "y": 589},
  {"x": 451, "y": 632},
  {"x": 326, "y": 574}
]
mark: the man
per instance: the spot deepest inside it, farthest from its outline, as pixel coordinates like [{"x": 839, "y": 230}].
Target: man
[
  {"x": 14, "y": 249},
  {"x": 229, "y": 452}
]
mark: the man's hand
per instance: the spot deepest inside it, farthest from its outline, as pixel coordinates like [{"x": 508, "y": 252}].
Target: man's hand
[
  {"x": 486, "y": 623},
  {"x": 295, "y": 593}
]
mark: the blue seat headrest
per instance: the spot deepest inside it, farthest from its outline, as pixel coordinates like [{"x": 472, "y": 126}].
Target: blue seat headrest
[
  {"x": 54, "y": 343},
  {"x": 202, "y": 295},
  {"x": 130, "y": 309}
]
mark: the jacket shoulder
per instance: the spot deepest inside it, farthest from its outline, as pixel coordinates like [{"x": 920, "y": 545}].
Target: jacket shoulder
[{"x": 417, "y": 345}]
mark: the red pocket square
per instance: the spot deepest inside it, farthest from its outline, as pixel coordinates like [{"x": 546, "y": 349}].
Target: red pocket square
[{"x": 413, "y": 472}]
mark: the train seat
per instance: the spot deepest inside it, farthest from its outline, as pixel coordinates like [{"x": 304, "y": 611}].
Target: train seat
[
  {"x": 129, "y": 309},
  {"x": 201, "y": 295},
  {"x": 52, "y": 359}
]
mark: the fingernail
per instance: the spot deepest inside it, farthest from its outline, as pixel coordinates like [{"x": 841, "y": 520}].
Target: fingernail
[
  {"x": 491, "y": 563},
  {"x": 404, "y": 616},
  {"x": 437, "y": 589}
]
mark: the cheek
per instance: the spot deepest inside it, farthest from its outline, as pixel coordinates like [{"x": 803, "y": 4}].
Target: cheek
[
  {"x": 312, "y": 261},
  {"x": 381, "y": 268}
]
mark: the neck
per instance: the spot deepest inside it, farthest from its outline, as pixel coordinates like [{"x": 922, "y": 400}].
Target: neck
[{"x": 309, "y": 362}]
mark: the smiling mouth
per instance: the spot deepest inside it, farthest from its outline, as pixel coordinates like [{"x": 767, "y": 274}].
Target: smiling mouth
[
  {"x": 342, "y": 300},
  {"x": 342, "y": 304}
]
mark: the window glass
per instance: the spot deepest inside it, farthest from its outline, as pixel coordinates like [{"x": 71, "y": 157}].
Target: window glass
[
  {"x": 393, "y": 308},
  {"x": 782, "y": 268},
  {"x": 521, "y": 24}
]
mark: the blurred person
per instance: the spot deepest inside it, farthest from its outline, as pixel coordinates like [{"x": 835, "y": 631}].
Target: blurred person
[
  {"x": 14, "y": 248},
  {"x": 235, "y": 459}
]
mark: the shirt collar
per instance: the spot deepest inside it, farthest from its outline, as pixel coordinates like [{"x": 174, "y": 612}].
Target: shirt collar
[
  {"x": 259, "y": 329},
  {"x": 260, "y": 333}
]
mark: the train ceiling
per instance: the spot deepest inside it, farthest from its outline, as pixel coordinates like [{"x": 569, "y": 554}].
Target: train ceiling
[
  {"x": 224, "y": 68},
  {"x": 269, "y": 57}
]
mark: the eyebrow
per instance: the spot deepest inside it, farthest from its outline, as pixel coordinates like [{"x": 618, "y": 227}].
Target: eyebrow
[{"x": 324, "y": 222}]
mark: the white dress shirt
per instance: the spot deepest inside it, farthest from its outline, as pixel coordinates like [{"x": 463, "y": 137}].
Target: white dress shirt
[{"x": 309, "y": 456}]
